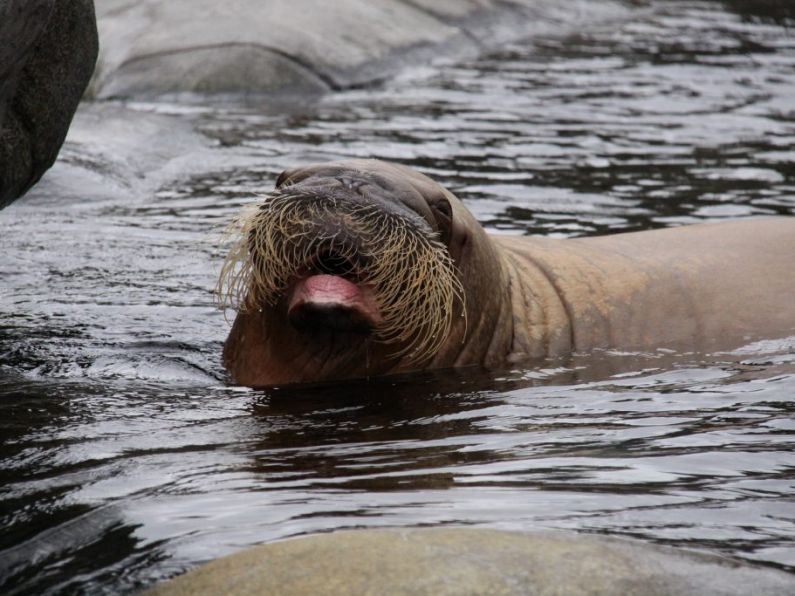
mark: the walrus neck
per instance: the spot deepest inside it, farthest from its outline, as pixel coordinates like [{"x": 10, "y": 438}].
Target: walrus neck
[{"x": 541, "y": 324}]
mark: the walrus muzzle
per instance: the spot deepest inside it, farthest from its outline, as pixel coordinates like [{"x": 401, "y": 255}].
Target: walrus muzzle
[{"x": 344, "y": 259}]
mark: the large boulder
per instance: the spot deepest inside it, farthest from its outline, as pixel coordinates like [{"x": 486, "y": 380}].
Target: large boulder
[
  {"x": 169, "y": 47},
  {"x": 47, "y": 53},
  {"x": 473, "y": 561}
]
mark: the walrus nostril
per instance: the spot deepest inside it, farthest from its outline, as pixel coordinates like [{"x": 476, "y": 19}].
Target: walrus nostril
[{"x": 351, "y": 183}]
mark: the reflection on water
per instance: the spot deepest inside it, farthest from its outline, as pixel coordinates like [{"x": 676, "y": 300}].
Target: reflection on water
[{"x": 126, "y": 456}]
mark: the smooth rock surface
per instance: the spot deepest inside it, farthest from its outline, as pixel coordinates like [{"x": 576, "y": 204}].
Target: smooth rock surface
[
  {"x": 472, "y": 561},
  {"x": 170, "y": 47},
  {"x": 47, "y": 53}
]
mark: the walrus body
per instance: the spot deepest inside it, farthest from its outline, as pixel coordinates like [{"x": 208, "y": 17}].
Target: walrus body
[{"x": 516, "y": 299}]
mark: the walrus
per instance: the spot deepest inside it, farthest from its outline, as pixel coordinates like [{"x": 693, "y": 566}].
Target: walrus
[{"x": 361, "y": 268}]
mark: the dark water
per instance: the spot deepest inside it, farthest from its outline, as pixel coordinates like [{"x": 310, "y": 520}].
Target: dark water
[{"x": 126, "y": 454}]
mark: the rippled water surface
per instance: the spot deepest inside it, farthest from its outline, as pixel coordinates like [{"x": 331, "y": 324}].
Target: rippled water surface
[{"x": 126, "y": 454}]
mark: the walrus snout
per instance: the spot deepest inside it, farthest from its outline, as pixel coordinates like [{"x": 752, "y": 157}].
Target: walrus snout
[{"x": 342, "y": 252}]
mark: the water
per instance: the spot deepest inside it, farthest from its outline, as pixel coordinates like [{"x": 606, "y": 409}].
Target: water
[{"x": 127, "y": 456}]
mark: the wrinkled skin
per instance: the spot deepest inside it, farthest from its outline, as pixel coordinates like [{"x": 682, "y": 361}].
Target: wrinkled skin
[{"x": 705, "y": 287}]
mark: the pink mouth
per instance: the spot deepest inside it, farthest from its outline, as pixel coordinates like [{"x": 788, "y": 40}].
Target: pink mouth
[{"x": 332, "y": 302}]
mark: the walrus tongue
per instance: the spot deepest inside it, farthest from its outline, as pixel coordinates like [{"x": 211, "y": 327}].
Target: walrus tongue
[{"x": 332, "y": 302}]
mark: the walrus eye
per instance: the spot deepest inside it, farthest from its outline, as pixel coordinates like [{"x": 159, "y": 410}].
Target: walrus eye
[
  {"x": 285, "y": 179},
  {"x": 443, "y": 213}
]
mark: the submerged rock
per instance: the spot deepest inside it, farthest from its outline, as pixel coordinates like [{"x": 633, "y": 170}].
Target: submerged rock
[
  {"x": 47, "y": 53},
  {"x": 473, "y": 561}
]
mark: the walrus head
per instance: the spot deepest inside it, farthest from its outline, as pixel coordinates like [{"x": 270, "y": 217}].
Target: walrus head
[{"x": 345, "y": 270}]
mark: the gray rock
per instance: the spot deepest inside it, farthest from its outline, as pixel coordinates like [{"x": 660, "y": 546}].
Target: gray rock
[
  {"x": 170, "y": 47},
  {"x": 473, "y": 561},
  {"x": 47, "y": 54}
]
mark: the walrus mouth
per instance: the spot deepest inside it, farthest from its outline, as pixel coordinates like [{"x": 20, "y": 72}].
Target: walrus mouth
[
  {"x": 332, "y": 302},
  {"x": 346, "y": 266},
  {"x": 332, "y": 295}
]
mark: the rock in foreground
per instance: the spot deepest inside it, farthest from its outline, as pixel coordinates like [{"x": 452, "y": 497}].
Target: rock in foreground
[{"x": 473, "y": 561}]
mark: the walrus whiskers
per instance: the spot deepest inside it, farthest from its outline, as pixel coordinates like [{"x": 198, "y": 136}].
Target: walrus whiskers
[{"x": 414, "y": 279}]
